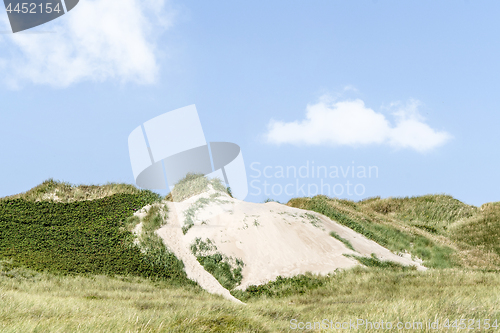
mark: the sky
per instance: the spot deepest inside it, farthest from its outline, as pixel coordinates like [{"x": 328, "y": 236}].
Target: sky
[{"x": 347, "y": 99}]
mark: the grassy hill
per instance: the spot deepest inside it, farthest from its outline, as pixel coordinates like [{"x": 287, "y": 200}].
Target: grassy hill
[
  {"x": 80, "y": 231},
  {"x": 439, "y": 229}
]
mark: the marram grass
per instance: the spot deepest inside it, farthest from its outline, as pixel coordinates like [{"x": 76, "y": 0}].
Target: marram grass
[{"x": 40, "y": 302}]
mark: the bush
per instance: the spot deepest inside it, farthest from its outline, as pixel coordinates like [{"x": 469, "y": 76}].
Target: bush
[{"x": 88, "y": 237}]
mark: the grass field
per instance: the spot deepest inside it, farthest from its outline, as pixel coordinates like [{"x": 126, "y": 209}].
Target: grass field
[{"x": 40, "y": 302}]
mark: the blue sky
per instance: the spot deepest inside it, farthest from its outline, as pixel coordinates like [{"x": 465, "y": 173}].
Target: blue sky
[{"x": 407, "y": 87}]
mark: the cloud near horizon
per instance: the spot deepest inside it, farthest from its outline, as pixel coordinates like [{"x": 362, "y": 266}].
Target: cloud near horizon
[
  {"x": 351, "y": 123},
  {"x": 99, "y": 40}
]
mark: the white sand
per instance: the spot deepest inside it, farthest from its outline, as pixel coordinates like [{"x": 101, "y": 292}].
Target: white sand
[
  {"x": 172, "y": 236},
  {"x": 271, "y": 239}
]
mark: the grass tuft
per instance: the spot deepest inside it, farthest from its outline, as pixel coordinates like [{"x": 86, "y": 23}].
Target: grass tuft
[{"x": 343, "y": 240}]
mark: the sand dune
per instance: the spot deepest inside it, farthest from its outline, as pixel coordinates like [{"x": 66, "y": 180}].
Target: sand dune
[{"x": 271, "y": 239}]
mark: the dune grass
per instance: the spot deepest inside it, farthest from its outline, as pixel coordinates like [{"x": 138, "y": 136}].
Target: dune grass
[
  {"x": 390, "y": 233},
  {"x": 41, "y": 302},
  {"x": 58, "y": 191},
  {"x": 193, "y": 184},
  {"x": 343, "y": 240},
  {"x": 439, "y": 229}
]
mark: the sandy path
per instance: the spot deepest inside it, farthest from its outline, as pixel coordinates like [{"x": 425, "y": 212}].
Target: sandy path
[{"x": 172, "y": 237}]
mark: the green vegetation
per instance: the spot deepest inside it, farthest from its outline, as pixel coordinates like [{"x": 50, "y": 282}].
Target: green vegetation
[
  {"x": 394, "y": 236},
  {"x": 153, "y": 248},
  {"x": 189, "y": 214},
  {"x": 200, "y": 247},
  {"x": 375, "y": 262},
  {"x": 305, "y": 283},
  {"x": 283, "y": 287},
  {"x": 343, "y": 240},
  {"x": 155, "y": 218},
  {"x": 313, "y": 219},
  {"x": 225, "y": 269},
  {"x": 439, "y": 229},
  {"x": 52, "y": 190},
  {"x": 41, "y": 302},
  {"x": 194, "y": 184},
  {"x": 220, "y": 267},
  {"x": 481, "y": 231},
  {"x": 438, "y": 211},
  {"x": 69, "y": 263},
  {"x": 88, "y": 237}
]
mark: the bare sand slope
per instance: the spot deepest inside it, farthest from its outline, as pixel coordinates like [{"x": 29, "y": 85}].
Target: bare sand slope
[
  {"x": 172, "y": 237},
  {"x": 271, "y": 239}
]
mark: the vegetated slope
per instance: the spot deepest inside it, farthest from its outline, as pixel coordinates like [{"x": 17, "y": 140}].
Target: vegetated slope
[
  {"x": 439, "y": 229},
  {"x": 52, "y": 190},
  {"x": 81, "y": 237}
]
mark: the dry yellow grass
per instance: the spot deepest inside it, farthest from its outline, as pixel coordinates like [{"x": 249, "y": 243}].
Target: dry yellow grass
[{"x": 51, "y": 190}]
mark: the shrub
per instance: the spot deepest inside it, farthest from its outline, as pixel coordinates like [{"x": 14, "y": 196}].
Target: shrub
[{"x": 88, "y": 237}]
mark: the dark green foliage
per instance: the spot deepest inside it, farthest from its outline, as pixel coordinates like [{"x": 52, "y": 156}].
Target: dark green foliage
[
  {"x": 216, "y": 265},
  {"x": 283, "y": 287},
  {"x": 219, "y": 265},
  {"x": 81, "y": 237},
  {"x": 186, "y": 228}
]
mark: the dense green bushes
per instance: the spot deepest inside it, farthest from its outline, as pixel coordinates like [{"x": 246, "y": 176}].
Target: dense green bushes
[{"x": 80, "y": 237}]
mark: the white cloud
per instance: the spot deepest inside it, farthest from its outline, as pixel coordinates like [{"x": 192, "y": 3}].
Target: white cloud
[
  {"x": 351, "y": 123},
  {"x": 98, "y": 40}
]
